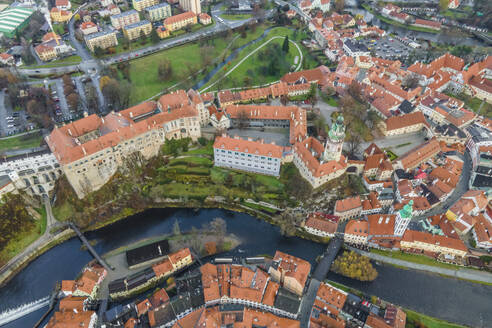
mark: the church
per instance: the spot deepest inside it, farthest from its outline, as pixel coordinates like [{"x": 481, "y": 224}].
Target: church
[{"x": 318, "y": 163}]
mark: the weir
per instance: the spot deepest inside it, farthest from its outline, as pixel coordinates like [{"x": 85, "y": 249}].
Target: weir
[
  {"x": 25, "y": 309},
  {"x": 89, "y": 247}
]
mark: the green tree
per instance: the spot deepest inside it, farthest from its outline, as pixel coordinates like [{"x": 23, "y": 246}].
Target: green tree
[
  {"x": 154, "y": 37},
  {"x": 443, "y": 5},
  {"x": 98, "y": 51},
  {"x": 285, "y": 45}
]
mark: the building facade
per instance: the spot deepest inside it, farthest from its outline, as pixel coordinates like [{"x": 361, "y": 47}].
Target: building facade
[
  {"x": 103, "y": 40},
  {"x": 142, "y": 4},
  {"x": 136, "y": 30},
  {"x": 158, "y": 12},
  {"x": 247, "y": 155},
  {"x": 92, "y": 149},
  {"x": 125, "y": 18},
  {"x": 180, "y": 21},
  {"x": 191, "y": 5}
]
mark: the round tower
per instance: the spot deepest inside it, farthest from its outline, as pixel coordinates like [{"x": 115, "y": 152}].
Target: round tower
[{"x": 334, "y": 143}]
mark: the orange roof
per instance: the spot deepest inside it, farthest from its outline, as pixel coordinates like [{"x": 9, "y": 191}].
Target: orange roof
[
  {"x": 159, "y": 297},
  {"x": 445, "y": 176},
  {"x": 138, "y": 110},
  {"x": 5, "y": 56},
  {"x": 210, "y": 284},
  {"x": 163, "y": 268},
  {"x": 86, "y": 25},
  {"x": 72, "y": 303},
  {"x": 248, "y": 146},
  {"x": 429, "y": 23},
  {"x": 296, "y": 116},
  {"x": 40, "y": 48},
  {"x": 483, "y": 229},
  {"x": 143, "y": 307},
  {"x": 318, "y": 223},
  {"x": 270, "y": 293},
  {"x": 398, "y": 122},
  {"x": 50, "y": 36},
  {"x": 316, "y": 75},
  {"x": 179, "y": 255},
  {"x": 375, "y": 321},
  {"x": 253, "y": 318},
  {"x": 174, "y": 100},
  {"x": 294, "y": 267},
  {"x": 67, "y": 285},
  {"x": 357, "y": 227},
  {"x": 347, "y": 204},
  {"x": 304, "y": 151},
  {"x": 381, "y": 224},
  {"x": 179, "y": 17},
  {"x": 70, "y": 319},
  {"x": 332, "y": 296},
  {"x": 428, "y": 238},
  {"x": 420, "y": 154}
]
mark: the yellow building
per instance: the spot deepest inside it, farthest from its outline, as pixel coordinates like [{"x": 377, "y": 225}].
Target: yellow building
[
  {"x": 45, "y": 53},
  {"x": 181, "y": 259},
  {"x": 59, "y": 15},
  {"x": 180, "y": 21},
  {"x": 101, "y": 39},
  {"x": 134, "y": 31},
  {"x": 142, "y": 4},
  {"x": 162, "y": 32}
]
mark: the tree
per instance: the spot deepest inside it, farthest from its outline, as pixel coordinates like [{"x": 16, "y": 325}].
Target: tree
[
  {"x": 73, "y": 100},
  {"x": 355, "y": 90},
  {"x": 143, "y": 37},
  {"x": 165, "y": 70},
  {"x": 14, "y": 218},
  {"x": 98, "y": 51},
  {"x": 355, "y": 266},
  {"x": 154, "y": 37},
  {"x": 243, "y": 119},
  {"x": 354, "y": 142},
  {"x": 410, "y": 81},
  {"x": 176, "y": 228},
  {"x": 339, "y": 5},
  {"x": 443, "y": 5},
  {"x": 285, "y": 45}
]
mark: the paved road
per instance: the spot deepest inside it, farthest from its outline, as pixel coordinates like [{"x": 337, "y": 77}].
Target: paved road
[
  {"x": 461, "y": 273},
  {"x": 63, "y": 100},
  {"x": 79, "y": 47},
  {"x": 81, "y": 91},
  {"x": 3, "y": 114}
]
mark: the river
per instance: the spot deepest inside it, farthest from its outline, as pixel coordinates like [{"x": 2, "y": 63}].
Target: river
[{"x": 451, "y": 299}]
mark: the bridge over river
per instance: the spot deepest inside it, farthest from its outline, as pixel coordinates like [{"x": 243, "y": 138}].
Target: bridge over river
[{"x": 318, "y": 276}]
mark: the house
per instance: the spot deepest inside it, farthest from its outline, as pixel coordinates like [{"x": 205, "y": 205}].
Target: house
[
  {"x": 45, "y": 52},
  {"x": 482, "y": 230},
  {"x": 418, "y": 155},
  {"x": 162, "y": 32},
  {"x": 59, "y": 15},
  {"x": 6, "y": 59},
  {"x": 356, "y": 232},
  {"x": 180, "y": 21},
  {"x": 88, "y": 28},
  {"x": 408, "y": 123},
  {"x": 102, "y": 39},
  {"x": 63, "y": 4},
  {"x": 205, "y": 19},
  {"x": 321, "y": 225},
  {"x": 427, "y": 24},
  {"x": 348, "y": 208},
  {"x": 290, "y": 271},
  {"x": 137, "y": 30}
]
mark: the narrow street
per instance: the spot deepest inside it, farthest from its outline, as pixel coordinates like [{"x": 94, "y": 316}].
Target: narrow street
[
  {"x": 63, "y": 100},
  {"x": 81, "y": 92}
]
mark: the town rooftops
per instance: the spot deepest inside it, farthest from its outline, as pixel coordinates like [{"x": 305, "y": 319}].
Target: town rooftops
[
  {"x": 292, "y": 266},
  {"x": 315, "y": 75},
  {"x": 428, "y": 23},
  {"x": 310, "y": 151},
  {"x": 348, "y": 204},
  {"x": 357, "y": 227},
  {"x": 428, "y": 238},
  {"x": 319, "y": 223},
  {"x": 399, "y": 122},
  {"x": 420, "y": 154},
  {"x": 248, "y": 147}
]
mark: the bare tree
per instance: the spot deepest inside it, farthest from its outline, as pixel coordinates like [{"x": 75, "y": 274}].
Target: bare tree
[
  {"x": 354, "y": 142},
  {"x": 243, "y": 119}
]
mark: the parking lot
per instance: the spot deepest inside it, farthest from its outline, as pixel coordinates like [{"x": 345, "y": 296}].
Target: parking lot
[
  {"x": 388, "y": 48},
  {"x": 12, "y": 122}
]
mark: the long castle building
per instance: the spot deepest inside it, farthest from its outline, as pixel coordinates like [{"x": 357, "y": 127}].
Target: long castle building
[{"x": 91, "y": 149}]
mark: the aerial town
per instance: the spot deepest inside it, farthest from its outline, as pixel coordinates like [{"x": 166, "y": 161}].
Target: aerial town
[{"x": 246, "y": 163}]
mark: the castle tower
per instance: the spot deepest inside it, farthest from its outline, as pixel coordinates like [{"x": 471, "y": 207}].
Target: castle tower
[
  {"x": 403, "y": 218},
  {"x": 334, "y": 143}
]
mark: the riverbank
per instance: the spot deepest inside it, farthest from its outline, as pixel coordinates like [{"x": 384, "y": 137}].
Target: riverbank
[
  {"x": 474, "y": 276},
  {"x": 414, "y": 319}
]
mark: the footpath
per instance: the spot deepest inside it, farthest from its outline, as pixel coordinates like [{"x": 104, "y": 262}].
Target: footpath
[{"x": 461, "y": 273}]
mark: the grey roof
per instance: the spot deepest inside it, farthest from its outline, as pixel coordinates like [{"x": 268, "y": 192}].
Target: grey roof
[
  {"x": 98, "y": 34},
  {"x": 125, "y": 13},
  {"x": 157, "y": 6},
  {"x": 137, "y": 24}
]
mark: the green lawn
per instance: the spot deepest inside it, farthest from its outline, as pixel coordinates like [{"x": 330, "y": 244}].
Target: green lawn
[
  {"x": 143, "y": 71},
  {"x": 207, "y": 150},
  {"x": 414, "y": 318},
  {"x": 329, "y": 100},
  {"x": 24, "y": 239},
  {"x": 414, "y": 258},
  {"x": 237, "y": 76},
  {"x": 67, "y": 60},
  {"x": 236, "y": 16},
  {"x": 21, "y": 142},
  {"x": 193, "y": 160}
]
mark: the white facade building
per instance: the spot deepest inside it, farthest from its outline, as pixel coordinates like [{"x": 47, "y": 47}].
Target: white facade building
[{"x": 247, "y": 155}]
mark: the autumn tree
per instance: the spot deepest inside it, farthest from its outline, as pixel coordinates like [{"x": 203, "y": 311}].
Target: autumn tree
[
  {"x": 73, "y": 100},
  {"x": 443, "y": 5},
  {"x": 339, "y": 5},
  {"x": 355, "y": 266},
  {"x": 14, "y": 218}
]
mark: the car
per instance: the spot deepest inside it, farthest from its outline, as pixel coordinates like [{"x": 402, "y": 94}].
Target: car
[
  {"x": 15, "y": 115},
  {"x": 10, "y": 125}
]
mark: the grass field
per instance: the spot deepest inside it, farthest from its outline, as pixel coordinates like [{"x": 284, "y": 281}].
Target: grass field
[
  {"x": 413, "y": 318},
  {"x": 21, "y": 142},
  {"x": 251, "y": 63},
  {"x": 24, "y": 239},
  {"x": 236, "y": 16},
  {"x": 64, "y": 61},
  {"x": 143, "y": 71}
]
